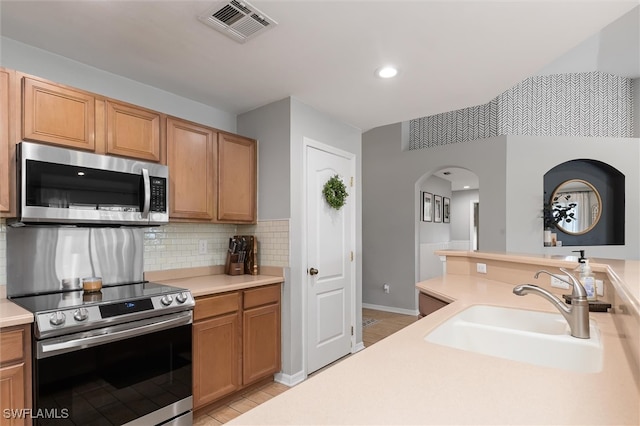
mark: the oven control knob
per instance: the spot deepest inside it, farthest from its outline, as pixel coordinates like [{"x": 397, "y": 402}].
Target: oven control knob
[
  {"x": 81, "y": 314},
  {"x": 181, "y": 298},
  {"x": 166, "y": 300},
  {"x": 57, "y": 318}
]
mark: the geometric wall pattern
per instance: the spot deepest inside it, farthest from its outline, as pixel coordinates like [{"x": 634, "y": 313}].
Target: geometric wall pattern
[{"x": 577, "y": 104}]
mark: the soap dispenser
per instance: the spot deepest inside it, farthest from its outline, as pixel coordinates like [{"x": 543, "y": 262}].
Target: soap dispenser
[{"x": 586, "y": 277}]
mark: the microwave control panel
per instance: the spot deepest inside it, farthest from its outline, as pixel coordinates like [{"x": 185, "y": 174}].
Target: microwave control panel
[{"x": 158, "y": 194}]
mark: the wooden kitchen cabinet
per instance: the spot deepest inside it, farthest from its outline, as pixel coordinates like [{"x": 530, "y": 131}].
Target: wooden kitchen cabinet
[
  {"x": 260, "y": 333},
  {"x": 236, "y": 342},
  {"x": 428, "y": 304},
  {"x": 61, "y": 115},
  {"x": 237, "y": 179},
  {"x": 216, "y": 348},
  {"x": 191, "y": 157},
  {"x": 57, "y": 114},
  {"x": 133, "y": 132},
  {"x": 8, "y": 105},
  {"x": 15, "y": 373}
]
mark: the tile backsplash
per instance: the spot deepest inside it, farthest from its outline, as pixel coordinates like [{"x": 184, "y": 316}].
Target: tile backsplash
[
  {"x": 273, "y": 241},
  {"x": 176, "y": 245}
]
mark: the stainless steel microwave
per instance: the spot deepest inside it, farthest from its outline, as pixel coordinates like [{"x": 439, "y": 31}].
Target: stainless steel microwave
[{"x": 59, "y": 185}]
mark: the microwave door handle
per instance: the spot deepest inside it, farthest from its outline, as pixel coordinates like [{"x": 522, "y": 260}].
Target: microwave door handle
[{"x": 147, "y": 194}]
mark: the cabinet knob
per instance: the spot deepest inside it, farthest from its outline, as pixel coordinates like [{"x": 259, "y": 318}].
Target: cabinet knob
[{"x": 313, "y": 271}]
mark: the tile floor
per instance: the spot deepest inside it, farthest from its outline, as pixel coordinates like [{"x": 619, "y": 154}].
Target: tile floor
[{"x": 387, "y": 324}]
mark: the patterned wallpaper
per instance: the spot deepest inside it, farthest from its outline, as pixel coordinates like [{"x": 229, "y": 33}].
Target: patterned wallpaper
[{"x": 579, "y": 104}]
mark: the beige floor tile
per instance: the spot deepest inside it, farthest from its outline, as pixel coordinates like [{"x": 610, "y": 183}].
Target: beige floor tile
[
  {"x": 243, "y": 405},
  {"x": 224, "y": 414},
  {"x": 274, "y": 388},
  {"x": 205, "y": 420},
  {"x": 258, "y": 396}
]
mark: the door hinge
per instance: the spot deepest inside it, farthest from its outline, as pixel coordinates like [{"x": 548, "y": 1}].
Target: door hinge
[
  {"x": 351, "y": 181},
  {"x": 352, "y": 330},
  {"x": 352, "y": 256}
]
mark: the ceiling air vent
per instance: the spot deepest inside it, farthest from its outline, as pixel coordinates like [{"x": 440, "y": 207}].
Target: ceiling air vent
[{"x": 237, "y": 19}]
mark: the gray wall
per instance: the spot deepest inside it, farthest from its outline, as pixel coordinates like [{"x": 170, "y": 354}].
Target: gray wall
[
  {"x": 38, "y": 62},
  {"x": 391, "y": 208},
  {"x": 271, "y": 125},
  {"x": 432, "y": 232},
  {"x": 281, "y": 128},
  {"x": 530, "y": 157},
  {"x": 461, "y": 213},
  {"x": 510, "y": 171}
]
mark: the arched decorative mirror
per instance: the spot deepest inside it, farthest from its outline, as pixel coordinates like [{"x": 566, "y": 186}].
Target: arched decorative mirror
[{"x": 581, "y": 204}]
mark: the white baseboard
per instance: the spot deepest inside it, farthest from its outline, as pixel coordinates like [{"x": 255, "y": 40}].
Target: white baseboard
[
  {"x": 357, "y": 348},
  {"x": 290, "y": 379},
  {"x": 391, "y": 309}
]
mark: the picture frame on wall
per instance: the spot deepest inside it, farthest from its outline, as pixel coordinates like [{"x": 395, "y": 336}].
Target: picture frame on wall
[
  {"x": 437, "y": 208},
  {"x": 427, "y": 207},
  {"x": 446, "y": 210}
]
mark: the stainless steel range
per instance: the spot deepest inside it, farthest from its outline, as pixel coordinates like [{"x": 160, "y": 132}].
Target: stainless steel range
[{"x": 121, "y": 355}]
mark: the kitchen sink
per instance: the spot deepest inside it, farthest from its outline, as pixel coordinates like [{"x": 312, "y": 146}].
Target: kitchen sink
[{"x": 538, "y": 338}]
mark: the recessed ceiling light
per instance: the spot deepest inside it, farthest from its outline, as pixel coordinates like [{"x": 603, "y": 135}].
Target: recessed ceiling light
[
  {"x": 387, "y": 72},
  {"x": 466, "y": 187}
]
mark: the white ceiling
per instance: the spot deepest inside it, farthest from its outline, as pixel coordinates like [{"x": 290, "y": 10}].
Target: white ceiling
[{"x": 452, "y": 54}]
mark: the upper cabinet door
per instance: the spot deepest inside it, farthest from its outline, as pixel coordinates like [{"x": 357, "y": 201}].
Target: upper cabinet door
[
  {"x": 58, "y": 115},
  {"x": 191, "y": 157},
  {"x": 237, "y": 184},
  {"x": 133, "y": 132}
]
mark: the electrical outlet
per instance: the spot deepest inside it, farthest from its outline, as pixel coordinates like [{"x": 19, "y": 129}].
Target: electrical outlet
[
  {"x": 481, "y": 268},
  {"x": 202, "y": 246},
  {"x": 600, "y": 287},
  {"x": 556, "y": 281},
  {"x": 386, "y": 288}
]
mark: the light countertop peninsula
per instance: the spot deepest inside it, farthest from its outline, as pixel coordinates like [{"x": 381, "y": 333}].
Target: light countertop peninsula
[{"x": 405, "y": 380}]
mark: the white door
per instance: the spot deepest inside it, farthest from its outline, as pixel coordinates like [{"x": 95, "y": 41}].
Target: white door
[{"x": 330, "y": 263}]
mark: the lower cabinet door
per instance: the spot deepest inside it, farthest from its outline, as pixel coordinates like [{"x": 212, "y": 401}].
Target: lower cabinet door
[
  {"x": 261, "y": 343},
  {"x": 216, "y": 355},
  {"x": 12, "y": 395}
]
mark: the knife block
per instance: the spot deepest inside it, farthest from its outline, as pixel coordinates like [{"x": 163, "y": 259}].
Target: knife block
[{"x": 232, "y": 266}]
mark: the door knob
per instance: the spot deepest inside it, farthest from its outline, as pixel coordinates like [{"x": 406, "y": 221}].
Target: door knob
[{"x": 313, "y": 271}]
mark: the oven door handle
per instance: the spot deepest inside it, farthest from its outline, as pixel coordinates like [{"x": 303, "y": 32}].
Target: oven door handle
[{"x": 88, "y": 339}]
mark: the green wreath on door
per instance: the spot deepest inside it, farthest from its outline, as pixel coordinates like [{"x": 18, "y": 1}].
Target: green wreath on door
[{"x": 335, "y": 192}]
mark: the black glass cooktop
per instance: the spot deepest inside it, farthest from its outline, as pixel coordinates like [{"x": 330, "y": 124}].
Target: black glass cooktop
[{"x": 108, "y": 294}]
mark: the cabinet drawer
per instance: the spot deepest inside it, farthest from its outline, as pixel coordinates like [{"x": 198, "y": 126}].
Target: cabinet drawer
[
  {"x": 211, "y": 306},
  {"x": 11, "y": 345},
  {"x": 261, "y": 296}
]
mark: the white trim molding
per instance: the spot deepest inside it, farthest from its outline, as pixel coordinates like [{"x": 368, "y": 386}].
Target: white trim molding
[{"x": 390, "y": 309}]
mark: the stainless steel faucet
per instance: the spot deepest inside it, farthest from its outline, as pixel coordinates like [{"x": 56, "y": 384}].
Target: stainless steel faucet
[{"x": 577, "y": 314}]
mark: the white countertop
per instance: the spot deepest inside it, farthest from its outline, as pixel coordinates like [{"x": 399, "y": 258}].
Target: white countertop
[{"x": 405, "y": 380}]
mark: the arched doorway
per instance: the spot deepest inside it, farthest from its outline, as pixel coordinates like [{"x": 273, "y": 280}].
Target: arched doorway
[{"x": 448, "y": 217}]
